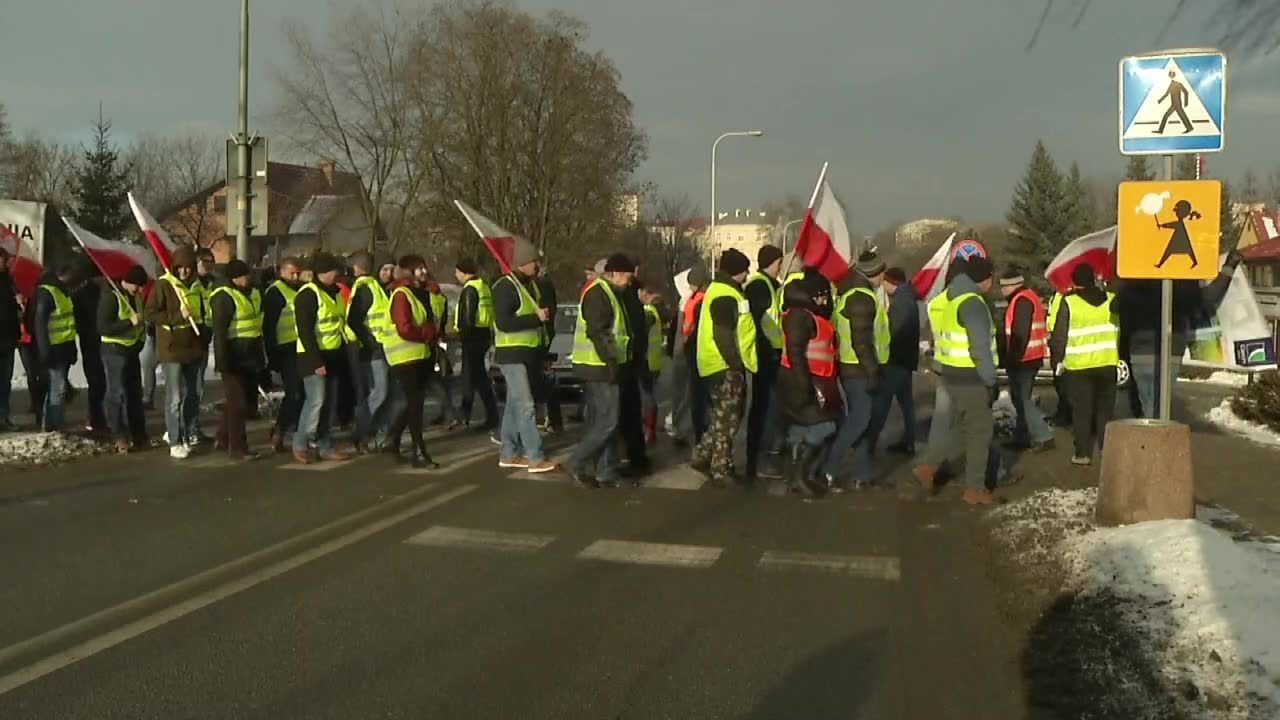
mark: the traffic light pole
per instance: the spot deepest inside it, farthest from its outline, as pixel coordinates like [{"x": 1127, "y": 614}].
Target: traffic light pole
[{"x": 243, "y": 176}]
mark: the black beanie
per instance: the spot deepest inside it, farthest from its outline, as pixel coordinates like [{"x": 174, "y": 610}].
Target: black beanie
[
  {"x": 733, "y": 262},
  {"x": 237, "y": 268},
  {"x": 136, "y": 276},
  {"x": 767, "y": 256},
  {"x": 978, "y": 269},
  {"x": 618, "y": 262},
  {"x": 323, "y": 263},
  {"x": 1083, "y": 275},
  {"x": 467, "y": 266}
]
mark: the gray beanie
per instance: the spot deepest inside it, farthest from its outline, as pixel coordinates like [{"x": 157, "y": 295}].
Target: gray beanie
[{"x": 524, "y": 254}]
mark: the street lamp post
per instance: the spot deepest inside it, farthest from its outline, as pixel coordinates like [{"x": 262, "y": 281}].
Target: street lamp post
[{"x": 714, "y": 145}]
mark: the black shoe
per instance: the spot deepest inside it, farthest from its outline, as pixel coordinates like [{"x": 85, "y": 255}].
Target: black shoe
[
  {"x": 582, "y": 480},
  {"x": 424, "y": 461},
  {"x": 902, "y": 449}
]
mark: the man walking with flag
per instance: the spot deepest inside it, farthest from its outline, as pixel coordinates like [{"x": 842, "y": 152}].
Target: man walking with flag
[
  {"x": 176, "y": 309},
  {"x": 862, "y": 327},
  {"x": 119, "y": 320},
  {"x": 518, "y": 341},
  {"x": 726, "y": 352}
]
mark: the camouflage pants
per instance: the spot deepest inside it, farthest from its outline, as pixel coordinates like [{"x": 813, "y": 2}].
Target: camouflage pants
[{"x": 728, "y": 399}]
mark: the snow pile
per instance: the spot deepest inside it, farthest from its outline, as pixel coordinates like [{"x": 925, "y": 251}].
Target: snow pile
[
  {"x": 1032, "y": 528},
  {"x": 1221, "y": 377},
  {"x": 1224, "y": 417},
  {"x": 1004, "y": 414},
  {"x": 1206, "y": 604},
  {"x": 42, "y": 448}
]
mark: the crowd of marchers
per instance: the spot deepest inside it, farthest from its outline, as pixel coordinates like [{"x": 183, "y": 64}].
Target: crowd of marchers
[{"x": 811, "y": 366}]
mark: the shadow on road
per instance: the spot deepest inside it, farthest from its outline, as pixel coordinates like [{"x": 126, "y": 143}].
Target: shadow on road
[{"x": 836, "y": 682}]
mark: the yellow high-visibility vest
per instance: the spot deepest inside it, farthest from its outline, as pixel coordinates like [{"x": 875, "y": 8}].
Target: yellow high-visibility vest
[
  {"x": 247, "y": 323},
  {"x": 844, "y": 330},
  {"x": 62, "y": 322},
  {"x": 286, "y": 325},
  {"x": 330, "y": 319},
  {"x": 528, "y": 307},
  {"x": 378, "y": 317},
  {"x": 951, "y": 340},
  {"x": 194, "y": 296},
  {"x": 1093, "y": 340},
  {"x": 771, "y": 321},
  {"x": 398, "y": 350},
  {"x": 710, "y": 361},
  {"x": 127, "y": 309},
  {"x": 584, "y": 351},
  {"x": 656, "y": 355}
]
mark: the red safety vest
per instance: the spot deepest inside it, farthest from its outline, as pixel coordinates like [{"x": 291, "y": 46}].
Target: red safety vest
[
  {"x": 691, "y": 313},
  {"x": 1038, "y": 343},
  {"x": 821, "y": 351}
]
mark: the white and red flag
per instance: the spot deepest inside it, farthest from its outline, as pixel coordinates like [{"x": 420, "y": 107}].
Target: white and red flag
[
  {"x": 113, "y": 257},
  {"x": 23, "y": 265},
  {"x": 501, "y": 242},
  {"x": 159, "y": 239},
  {"x": 932, "y": 277},
  {"x": 824, "y": 242},
  {"x": 1097, "y": 249}
]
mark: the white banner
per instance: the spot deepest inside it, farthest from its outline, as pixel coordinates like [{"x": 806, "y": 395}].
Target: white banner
[
  {"x": 1239, "y": 336},
  {"x": 26, "y": 221}
]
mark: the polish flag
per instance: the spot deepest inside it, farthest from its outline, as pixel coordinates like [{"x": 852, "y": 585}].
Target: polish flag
[
  {"x": 931, "y": 278},
  {"x": 824, "y": 241},
  {"x": 502, "y": 243},
  {"x": 160, "y": 241},
  {"x": 113, "y": 257},
  {"x": 23, "y": 265},
  {"x": 1097, "y": 249}
]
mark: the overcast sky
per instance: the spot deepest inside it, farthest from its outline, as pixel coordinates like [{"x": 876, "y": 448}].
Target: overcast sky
[{"x": 923, "y": 107}]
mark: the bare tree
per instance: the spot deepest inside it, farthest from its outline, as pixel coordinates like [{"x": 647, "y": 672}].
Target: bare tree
[
  {"x": 674, "y": 236},
  {"x": 37, "y": 169},
  {"x": 348, "y": 100},
  {"x": 1250, "y": 190},
  {"x": 174, "y": 173},
  {"x": 534, "y": 130},
  {"x": 1243, "y": 25}
]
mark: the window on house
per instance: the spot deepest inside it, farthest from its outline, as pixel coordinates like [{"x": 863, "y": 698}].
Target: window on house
[{"x": 219, "y": 203}]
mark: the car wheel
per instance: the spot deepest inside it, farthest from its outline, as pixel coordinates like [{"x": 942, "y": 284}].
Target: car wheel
[{"x": 1122, "y": 374}]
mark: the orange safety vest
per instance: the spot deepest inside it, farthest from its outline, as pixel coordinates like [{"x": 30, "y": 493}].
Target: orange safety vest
[
  {"x": 691, "y": 313},
  {"x": 821, "y": 351},
  {"x": 1038, "y": 343}
]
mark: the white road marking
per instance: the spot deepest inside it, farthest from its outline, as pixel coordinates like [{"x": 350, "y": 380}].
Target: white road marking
[
  {"x": 154, "y": 620},
  {"x": 643, "y": 553},
  {"x": 871, "y": 567},
  {"x": 442, "y": 536},
  {"x": 450, "y": 462},
  {"x": 323, "y": 465}
]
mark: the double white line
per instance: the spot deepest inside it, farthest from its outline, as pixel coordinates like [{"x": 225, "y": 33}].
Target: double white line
[{"x": 233, "y": 582}]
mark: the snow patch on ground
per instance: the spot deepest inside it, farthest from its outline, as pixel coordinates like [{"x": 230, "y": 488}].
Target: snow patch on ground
[
  {"x": 43, "y": 448},
  {"x": 1224, "y": 417},
  {"x": 1004, "y": 414},
  {"x": 1221, "y": 377},
  {"x": 1204, "y": 604}
]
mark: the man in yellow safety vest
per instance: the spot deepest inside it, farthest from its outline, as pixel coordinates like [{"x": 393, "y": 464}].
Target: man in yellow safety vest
[
  {"x": 369, "y": 317},
  {"x": 280, "y": 336},
  {"x": 120, "y": 323},
  {"x": 321, "y": 320},
  {"x": 765, "y": 296},
  {"x": 472, "y": 325},
  {"x": 237, "y": 353},
  {"x": 1085, "y": 342}
]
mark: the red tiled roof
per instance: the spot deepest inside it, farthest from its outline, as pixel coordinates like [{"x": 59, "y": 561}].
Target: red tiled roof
[
  {"x": 1268, "y": 250},
  {"x": 1268, "y": 245}
]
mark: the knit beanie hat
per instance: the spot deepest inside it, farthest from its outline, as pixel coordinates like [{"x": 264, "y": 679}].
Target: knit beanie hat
[
  {"x": 136, "y": 276},
  {"x": 324, "y": 262},
  {"x": 619, "y": 263},
  {"x": 238, "y": 268},
  {"x": 870, "y": 264},
  {"x": 978, "y": 269},
  {"x": 733, "y": 262},
  {"x": 1083, "y": 275},
  {"x": 1011, "y": 277},
  {"x": 524, "y": 254},
  {"x": 698, "y": 276},
  {"x": 896, "y": 275},
  {"x": 467, "y": 266},
  {"x": 767, "y": 256}
]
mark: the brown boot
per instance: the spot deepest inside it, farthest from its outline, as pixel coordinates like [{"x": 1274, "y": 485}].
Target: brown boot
[
  {"x": 925, "y": 474},
  {"x": 302, "y": 457},
  {"x": 981, "y": 497}
]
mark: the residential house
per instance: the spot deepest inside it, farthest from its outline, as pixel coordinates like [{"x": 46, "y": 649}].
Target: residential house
[{"x": 1260, "y": 246}]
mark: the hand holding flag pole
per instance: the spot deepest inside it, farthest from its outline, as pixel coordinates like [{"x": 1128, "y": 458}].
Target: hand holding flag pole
[{"x": 163, "y": 247}]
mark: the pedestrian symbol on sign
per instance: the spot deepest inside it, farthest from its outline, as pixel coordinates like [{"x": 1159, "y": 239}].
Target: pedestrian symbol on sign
[
  {"x": 1176, "y": 100},
  {"x": 1177, "y": 95}
]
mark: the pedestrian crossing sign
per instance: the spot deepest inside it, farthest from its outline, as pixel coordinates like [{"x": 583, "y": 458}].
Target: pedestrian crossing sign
[
  {"x": 1169, "y": 230},
  {"x": 1173, "y": 102}
]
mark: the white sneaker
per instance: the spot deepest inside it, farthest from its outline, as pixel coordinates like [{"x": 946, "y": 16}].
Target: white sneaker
[
  {"x": 165, "y": 437},
  {"x": 193, "y": 442},
  {"x": 179, "y": 452}
]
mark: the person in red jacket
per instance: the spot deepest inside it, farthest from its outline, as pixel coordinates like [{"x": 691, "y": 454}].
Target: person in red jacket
[{"x": 409, "y": 355}]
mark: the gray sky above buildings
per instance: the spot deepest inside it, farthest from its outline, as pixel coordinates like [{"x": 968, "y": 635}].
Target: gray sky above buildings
[{"x": 923, "y": 107}]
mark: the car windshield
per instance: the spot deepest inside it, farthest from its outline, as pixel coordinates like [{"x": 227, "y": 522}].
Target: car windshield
[{"x": 566, "y": 318}]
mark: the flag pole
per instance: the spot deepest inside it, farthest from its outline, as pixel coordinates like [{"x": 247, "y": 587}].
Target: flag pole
[
  {"x": 76, "y": 235},
  {"x": 822, "y": 176},
  {"x": 818, "y": 188},
  {"x": 458, "y": 204}
]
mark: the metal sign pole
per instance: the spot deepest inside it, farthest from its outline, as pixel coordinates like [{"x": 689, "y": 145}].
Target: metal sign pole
[
  {"x": 244, "y": 180},
  {"x": 1166, "y": 330}
]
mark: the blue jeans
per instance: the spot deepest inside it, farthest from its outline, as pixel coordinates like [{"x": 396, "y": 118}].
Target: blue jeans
[
  {"x": 519, "y": 426},
  {"x": 181, "y": 400},
  {"x": 896, "y": 383},
  {"x": 200, "y": 379},
  {"x": 1029, "y": 426},
  {"x": 291, "y": 405},
  {"x": 1146, "y": 379},
  {"x": 813, "y": 435},
  {"x": 53, "y": 403},
  {"x": 122, "y": 403},
  {"x": 319, "y": 411},
  {"x": 597, "y": 452},
  {"x": 6, "y": 379},
  {"x": 372, "y": 380},
  {"x": 853, "y": 431}
]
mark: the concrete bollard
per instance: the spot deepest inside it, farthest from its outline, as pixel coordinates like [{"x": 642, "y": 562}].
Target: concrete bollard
[{"x": 1146, "y": 473}]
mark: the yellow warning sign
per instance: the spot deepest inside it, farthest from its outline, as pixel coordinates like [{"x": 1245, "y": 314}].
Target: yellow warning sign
[{"x": 1169, "y": 230}]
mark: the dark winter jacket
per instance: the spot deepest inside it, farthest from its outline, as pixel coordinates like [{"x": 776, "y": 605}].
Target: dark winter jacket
[
  {"x": 760, "y": 296},
  {"x": 468, "y": 311},
  {"x": 1014, "y": 345},
  {"x": 547, "y": 300},
  {"x": 638, "y": 349},
  {"x": 64, "y": 354},
  {"x": 1138, "y": 307},
  {"x": 904, "y": 328},
  {"x": 597, "y": 313},
  {"x": 861, "y": 313},
  {"x": 1062, "y": 323},
  {"x": 86, "y": 303},
  {"x": 10, "y": 312},
  {"x": 798, "y": 387},
  {"x": 208, "y": 282},
  {"x": 109, "y": 323},
  {"x": 975, "y": 317},
  {"x": 164, "y": 309},
  {"x": 306, "y": 311},
  {"x": 358, "y": 320},
  {"x": 506, "y": 301},
  {"x": 238, "y": 355},
  {"x": 724, "y": 325}
]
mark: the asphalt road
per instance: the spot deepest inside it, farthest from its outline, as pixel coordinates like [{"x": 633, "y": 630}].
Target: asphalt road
[{"x": 137, "y": 587}]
